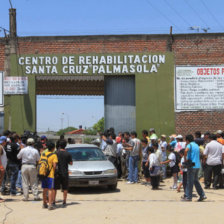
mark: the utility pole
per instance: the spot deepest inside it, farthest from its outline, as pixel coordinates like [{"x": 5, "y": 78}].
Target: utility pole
[{"x": 10, "y": 48}]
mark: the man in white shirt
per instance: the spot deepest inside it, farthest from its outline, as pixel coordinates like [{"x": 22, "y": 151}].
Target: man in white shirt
[
  {"x": 213, "y": 155},
  {"x": 30, "y": 156}
]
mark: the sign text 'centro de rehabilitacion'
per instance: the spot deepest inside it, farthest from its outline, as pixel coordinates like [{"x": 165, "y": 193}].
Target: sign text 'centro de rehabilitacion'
[
  {"x": 94, "y": 64},
  {"x": 199, "y": 88}
]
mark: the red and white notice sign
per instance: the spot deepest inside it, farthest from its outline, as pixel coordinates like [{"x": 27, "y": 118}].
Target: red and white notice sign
[
  {"x": 15, "y": 85},
  {"x": 199, "y": 88}
]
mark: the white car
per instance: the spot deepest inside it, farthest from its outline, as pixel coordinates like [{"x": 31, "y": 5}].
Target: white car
[{"x": 90, "y": 167}]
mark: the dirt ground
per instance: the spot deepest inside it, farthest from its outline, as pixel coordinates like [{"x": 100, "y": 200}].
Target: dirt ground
[{"x": 129, "y": 204}]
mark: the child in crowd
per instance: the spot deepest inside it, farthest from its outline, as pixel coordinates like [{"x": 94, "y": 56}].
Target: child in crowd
[
  {"x": 173, "y": 163},
  {"x": 154, "y": 168},
  {"x": 145, "y": 156},
  {"x": 184, "y": 173}
]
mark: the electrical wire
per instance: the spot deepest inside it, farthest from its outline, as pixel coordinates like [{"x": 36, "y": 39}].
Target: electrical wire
[
  {"x": 177, "y": 13},
  {"x": 166, "y": 17},
  {"x": 195, "y": 12},
  {"x": 10, "y": 4},
  {"x": 212, "y": 15}
]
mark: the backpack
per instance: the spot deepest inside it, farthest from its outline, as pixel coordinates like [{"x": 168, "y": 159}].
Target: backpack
[{"x": 43, "y": 166}]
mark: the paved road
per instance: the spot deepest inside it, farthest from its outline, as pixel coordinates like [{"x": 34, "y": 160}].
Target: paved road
[{"x": 129, "y": 204}]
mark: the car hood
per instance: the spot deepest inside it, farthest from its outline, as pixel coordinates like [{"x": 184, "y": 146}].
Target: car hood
[{"x": 91, "y": 165}]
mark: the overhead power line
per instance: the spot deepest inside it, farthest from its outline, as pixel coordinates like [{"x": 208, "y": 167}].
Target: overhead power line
[
  {"x": 10, "y": 4},
  {"x": 195, "y": 12},
  {"x": 177, "y": 13},
  {"x": 212, "y": 15},
  {"x": 164, "y": 15}
]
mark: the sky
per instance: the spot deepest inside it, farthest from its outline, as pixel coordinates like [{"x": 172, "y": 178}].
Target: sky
[{"x": 102, "y": 17}]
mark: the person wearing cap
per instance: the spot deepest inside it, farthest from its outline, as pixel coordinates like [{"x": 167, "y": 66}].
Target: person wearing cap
[
  {"x": 163, "y": 147},
  {"x": 3, "y": 160},
  {"x": 219, "y": 136},
  {"x": 152, "y": 134},
  {"x": 30, "y": 157},
  {"x": 180, "y": 143}
]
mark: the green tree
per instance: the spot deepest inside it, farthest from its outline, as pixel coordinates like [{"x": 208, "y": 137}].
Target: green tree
[
  {"x": 90, "y": 131},
  {"x": 99, "y": 126},
  {"x": 65, "y": 130}
]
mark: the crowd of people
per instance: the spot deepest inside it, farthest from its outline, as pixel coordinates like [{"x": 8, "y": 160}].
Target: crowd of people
[
  {"x": 188, "y": 159},
  {"x": 27, "y": 160}
]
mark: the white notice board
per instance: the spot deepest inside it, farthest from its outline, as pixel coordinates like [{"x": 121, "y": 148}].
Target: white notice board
[
  {"x": 15, "y": 85},
  {"x": 199, "y": 88}
]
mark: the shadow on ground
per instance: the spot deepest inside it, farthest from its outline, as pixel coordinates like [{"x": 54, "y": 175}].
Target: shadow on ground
[{"x": 92, "y": 190}]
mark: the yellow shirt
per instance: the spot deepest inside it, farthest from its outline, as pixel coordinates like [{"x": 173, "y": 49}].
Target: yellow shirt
[
  {"x": 51, "y": 159},
  {"x": 148, "y": 139}
]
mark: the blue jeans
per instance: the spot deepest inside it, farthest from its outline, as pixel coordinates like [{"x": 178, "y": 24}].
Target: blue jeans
[
  {"x": 164, "y": 170},
  {"x": 192, "y": 180},
  {"x": 133, "y": 169},
  {"x": 19, "y": 180},
  {"x": 13, "y": 174}
]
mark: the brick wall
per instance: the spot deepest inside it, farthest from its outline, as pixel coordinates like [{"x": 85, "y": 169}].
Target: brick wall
[
  {"x": 189, "y": 49},
  {"x": 190, "y": 122},
  {"x": 2, "y": 56},
  {"x": 93, "y": 45}
]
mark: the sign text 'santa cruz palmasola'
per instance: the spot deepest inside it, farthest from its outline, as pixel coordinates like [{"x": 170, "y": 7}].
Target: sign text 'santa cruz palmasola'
[{"x": 110, "y": 64}]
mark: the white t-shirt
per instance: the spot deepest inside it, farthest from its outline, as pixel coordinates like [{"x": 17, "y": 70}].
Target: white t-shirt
[
  {"x": 172, "y": 157},
  {"x": 181, "y": 162},
  {"x": 213, "y": 151},
  {"x": 179, "y": 146},
  {"x": 136, "y": 147},
  {"x": 153, "y": 160}
]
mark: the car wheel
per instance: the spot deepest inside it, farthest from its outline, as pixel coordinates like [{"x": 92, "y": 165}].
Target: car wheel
[{"x": 112, "y": 187}]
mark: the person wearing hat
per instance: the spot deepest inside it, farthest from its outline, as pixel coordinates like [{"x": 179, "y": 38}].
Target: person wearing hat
[
  {"x": 173, "y": 141},
  {"x": 30, "y": 157},
  {"x": 152, "y": 134},
  {"x": 180, "y": 143},
  {"x": 3, "y": 159}
]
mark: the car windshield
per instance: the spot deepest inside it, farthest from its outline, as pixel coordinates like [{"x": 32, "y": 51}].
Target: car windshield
[{"x": 86, "y": 154}]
